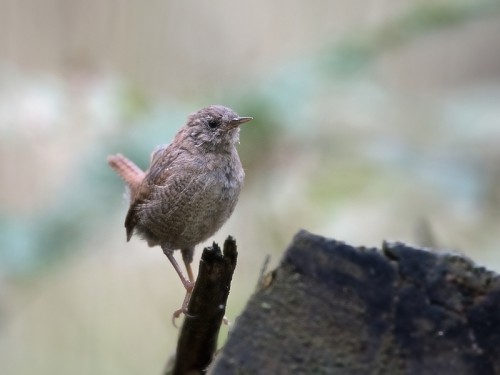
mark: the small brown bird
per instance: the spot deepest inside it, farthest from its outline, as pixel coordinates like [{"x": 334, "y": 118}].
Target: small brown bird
[{"x": 190, "y": 188}]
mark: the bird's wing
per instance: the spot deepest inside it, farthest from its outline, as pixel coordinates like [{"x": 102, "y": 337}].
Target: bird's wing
[
  {"x": 157, "y": 152},
  {"x": 158, "y": 174}
]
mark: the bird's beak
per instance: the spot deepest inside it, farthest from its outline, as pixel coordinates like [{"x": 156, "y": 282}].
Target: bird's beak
[{"x": 237, "y": 121}]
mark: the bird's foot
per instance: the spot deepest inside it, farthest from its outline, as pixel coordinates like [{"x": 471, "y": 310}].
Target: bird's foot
[
  {"x": 177, "y": 313},
  {"x": 184, "y": 307}
]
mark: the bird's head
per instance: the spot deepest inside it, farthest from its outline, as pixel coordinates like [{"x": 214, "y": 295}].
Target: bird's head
[{"x": 215, "y": 127}]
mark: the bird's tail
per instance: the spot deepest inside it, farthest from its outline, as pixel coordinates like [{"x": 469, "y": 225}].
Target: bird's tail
[{"x": 127, "y": 170}]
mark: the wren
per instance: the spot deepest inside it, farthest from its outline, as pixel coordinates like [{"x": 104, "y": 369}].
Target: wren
[{"x": 190, "y": 188}]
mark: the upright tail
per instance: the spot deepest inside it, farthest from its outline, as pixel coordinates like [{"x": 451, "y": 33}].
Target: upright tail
[{"x": 127, "y": 170}]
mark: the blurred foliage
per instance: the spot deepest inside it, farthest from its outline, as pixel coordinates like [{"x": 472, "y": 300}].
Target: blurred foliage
[
  {"x": 282, "y": 100},
  {"x": 134, "y": 103},
  {"x": 357, "y": 51}
]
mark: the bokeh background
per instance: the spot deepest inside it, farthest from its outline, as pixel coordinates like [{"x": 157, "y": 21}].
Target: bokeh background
[{"x": 374, "y": 120}]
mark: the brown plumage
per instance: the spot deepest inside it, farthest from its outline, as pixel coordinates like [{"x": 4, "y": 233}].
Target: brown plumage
[{"x": 190, "y": 188}]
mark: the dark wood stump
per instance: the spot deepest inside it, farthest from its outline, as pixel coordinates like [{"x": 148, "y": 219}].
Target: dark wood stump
[{"x": 330, "y": 308}]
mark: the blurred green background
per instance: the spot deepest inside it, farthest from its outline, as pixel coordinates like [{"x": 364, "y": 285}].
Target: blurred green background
[{"x": 374, "y": 120}]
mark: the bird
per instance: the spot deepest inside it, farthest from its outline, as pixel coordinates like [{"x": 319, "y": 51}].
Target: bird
[{"x": 189, "y": 190}]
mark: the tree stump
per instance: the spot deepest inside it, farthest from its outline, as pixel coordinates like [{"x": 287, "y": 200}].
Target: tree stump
[{"x": 330, "y": 308}]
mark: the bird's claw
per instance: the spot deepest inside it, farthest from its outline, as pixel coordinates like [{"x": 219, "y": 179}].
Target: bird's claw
[
  {"x": 184, "y": 307},
  {"x": 177, "y": 313}
]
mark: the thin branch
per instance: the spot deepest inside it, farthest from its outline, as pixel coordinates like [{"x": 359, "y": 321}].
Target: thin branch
[{"x": 198, "y": 338}]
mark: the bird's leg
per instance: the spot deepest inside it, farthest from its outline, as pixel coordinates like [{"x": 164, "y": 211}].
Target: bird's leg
[
  {"x": 170, "y": 255},
  {"x": 187, "y": 258},
  {"x": 188, "y": 284}
]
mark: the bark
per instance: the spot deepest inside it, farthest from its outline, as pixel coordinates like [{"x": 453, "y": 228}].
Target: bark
[
  {"x": 330, "y": 308},
  {"x": 198, "y": 337}
]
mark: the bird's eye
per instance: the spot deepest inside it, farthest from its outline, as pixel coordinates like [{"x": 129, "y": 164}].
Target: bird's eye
[{"x": 213, "y": 123}]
